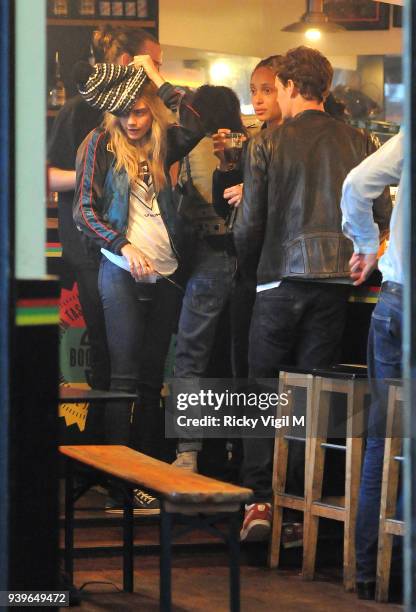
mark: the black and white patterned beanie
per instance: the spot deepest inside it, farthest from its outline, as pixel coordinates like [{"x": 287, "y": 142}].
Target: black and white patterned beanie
[{"x": 109, "y": 87}]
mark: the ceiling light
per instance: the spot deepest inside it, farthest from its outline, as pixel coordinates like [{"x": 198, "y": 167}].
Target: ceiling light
[
  {"x": 314, "y": 19},
  {"x": 313, "y": 34},
  {"x": 219, "y": 71}
]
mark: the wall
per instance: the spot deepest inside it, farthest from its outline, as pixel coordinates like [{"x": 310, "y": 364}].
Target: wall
[
  {"x": 30, "y": 138},
  {"x": 227, "y": 26},
  {"x": 253, "y": 27}
]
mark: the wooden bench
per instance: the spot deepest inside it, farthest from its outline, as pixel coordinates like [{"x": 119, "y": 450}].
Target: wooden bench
[{"x": 180, "y": 493}]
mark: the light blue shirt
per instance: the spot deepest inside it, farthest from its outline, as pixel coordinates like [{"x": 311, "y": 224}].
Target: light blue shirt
[{"x": 363, "y": 185}]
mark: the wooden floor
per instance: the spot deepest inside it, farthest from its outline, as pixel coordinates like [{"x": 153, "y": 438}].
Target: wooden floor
[{"x": 200, "y": 573}]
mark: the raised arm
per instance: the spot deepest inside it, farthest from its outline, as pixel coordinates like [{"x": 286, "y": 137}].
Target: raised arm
[{"x": 185, "y": 135}]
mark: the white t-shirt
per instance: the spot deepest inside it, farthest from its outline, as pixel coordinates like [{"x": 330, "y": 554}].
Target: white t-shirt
[{"x": 146, "y": 229}]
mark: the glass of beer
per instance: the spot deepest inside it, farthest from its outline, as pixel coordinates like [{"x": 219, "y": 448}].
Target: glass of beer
[{"x": 233, "y": 148}]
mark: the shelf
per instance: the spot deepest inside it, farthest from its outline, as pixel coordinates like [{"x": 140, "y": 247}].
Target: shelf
[{"x": 95, "y": 22}]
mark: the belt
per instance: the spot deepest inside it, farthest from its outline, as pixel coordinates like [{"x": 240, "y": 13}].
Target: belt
[{"x": 391, "y": 287}]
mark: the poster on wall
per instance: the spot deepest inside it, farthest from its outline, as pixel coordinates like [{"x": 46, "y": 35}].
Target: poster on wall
[{"x": 74, "y": 354}]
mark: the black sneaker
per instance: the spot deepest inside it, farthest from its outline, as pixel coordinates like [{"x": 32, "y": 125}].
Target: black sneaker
[
  {"x": 143, "y": 504},
  {"x": 292, "y": 535}
]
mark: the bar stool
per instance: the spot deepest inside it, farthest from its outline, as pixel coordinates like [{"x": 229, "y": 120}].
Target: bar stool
[
  {"x": 355, "y": 387},
  {"x": 281, "y": 499},
  {"x": 389, "y": 526}
]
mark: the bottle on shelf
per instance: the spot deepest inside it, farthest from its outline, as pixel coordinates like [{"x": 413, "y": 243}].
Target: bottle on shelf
[
  {"x": 117, "y": 9},
  {"x": 91, "y": 56},
  {"x": 142, "y": 9},
  {"x": 57, "y": 95},
  {"x": 86, "y": 8},
  {"x": 130, "y": 11},
  {"x": 104, "y": 8},
  {"x": 59, "y": 8}
]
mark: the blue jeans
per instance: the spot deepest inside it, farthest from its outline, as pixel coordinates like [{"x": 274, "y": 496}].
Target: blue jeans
[
  {"x": 208, "y": 290},
  {"x": 384, "y": 361},
  {"x": 139, "y": 318}
]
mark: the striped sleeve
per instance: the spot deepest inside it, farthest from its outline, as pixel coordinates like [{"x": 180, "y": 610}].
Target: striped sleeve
[{"x": 91, "y": 173}]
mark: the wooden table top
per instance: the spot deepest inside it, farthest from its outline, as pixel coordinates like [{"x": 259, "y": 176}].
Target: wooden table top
[{"x": 173, "y": 484}]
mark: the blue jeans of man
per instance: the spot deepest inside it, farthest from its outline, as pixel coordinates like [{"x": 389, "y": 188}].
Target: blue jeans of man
[
  {"x": 140, "y": 318},
  {"x": 384, "y": 362},
  {"x": 207, "y": 293}
]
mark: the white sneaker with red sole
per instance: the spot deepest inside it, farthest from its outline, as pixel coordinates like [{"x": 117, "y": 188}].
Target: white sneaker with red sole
[{"x": 257, "y": 523}]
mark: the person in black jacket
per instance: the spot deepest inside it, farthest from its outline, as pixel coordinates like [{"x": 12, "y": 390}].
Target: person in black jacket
[{"x": 289, "y": 241}]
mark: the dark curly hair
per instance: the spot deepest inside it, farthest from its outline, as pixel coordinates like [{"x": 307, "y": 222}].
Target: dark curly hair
[
  {"x": 271, "y": 62},
  {"x": 110, "y": 42},
  {"x": 310, "y": 71},
  {"x": 218, "y": 107}
]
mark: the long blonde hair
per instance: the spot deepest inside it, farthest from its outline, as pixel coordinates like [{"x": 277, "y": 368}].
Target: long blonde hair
[{"x": 152, "y": 148}]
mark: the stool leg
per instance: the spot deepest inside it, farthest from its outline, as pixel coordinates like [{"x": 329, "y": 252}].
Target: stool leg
[
  {"x": 353, "y": 462},
  {"x": 385, "y": 551},
  {"x": 165, "y": 560},
  {"x": 352, "y": 485},
  {"x": 281, "y": 450},
  {"x": 69, "y": 520},
  {"x": 234, "y": 552},
  {"x": 128, "y": 542},
  {"x": 314, "y": 472},
  {"x": 390, "y": 485}
]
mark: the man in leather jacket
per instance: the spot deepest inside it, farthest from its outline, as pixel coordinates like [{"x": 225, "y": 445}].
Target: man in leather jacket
[{"x": 290, "y": 244}]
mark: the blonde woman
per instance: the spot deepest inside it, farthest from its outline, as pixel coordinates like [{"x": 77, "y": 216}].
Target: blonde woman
[
  {"x": 123, "y": 203},
  {"x": 72, "y": 124}
]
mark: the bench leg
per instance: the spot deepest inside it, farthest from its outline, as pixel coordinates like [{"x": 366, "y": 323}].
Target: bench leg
[
  {"x": 165, "y": 560},
  {"x": 234, "y": 552},
  {"x": 69, "y": 520},
  {"x": 128, "y": 542}
]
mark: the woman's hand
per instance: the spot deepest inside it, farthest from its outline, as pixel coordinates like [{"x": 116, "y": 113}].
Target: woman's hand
[
  {"x": 139, "y": 265},
  {"x": 152, "y": 72},
  {"x": 218, "y": 141},
  {"x": 234, "y": 195}
]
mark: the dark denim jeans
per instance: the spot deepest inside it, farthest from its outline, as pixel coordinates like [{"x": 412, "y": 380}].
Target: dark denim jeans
[
  {"x": 384, "y": 361},
  {"x": 299, "y": 323},
  {"x": 140, "y": 319},
  {"x": 207, "y": 293}
]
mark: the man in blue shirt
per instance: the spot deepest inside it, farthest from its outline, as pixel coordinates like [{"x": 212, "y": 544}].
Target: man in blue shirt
[{"x": 362, "y": 185}]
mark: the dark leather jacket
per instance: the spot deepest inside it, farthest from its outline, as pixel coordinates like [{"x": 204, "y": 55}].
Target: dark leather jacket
[
  {"x": 102, "y": 193},
  {"x": 289, "y": 223}
]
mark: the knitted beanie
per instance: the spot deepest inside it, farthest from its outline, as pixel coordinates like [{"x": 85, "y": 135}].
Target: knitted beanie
[{"x": 109, "y": 87}]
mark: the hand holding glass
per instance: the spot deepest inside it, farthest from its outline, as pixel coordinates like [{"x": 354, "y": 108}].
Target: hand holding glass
[{"x": 233, "y": 148}]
